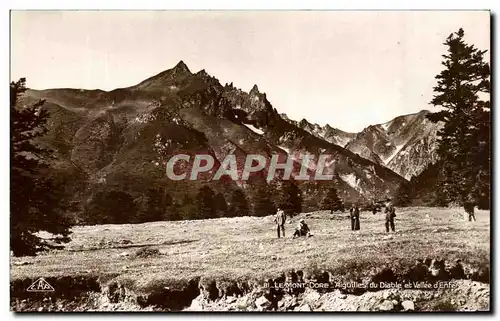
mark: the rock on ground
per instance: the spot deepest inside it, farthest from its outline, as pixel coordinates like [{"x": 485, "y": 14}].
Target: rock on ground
[
  {"x": 408, "y": 305},
  {"x": 262, "y": 303},
  {"x": 386, "y": 306},
  {"x": 466, "y": 295}
]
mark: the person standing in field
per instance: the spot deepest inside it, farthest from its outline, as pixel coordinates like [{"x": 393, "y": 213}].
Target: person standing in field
[
  {"x": 280, "y": 220},
  {"x": 469, "y": 209},
  {"x": 390, "y": 214},
  {"x": 354, "y": 211},
  {"x": 374, "y": 207}
]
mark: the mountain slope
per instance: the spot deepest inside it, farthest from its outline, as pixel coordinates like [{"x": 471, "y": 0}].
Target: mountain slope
[
  {"x": 122, "y": 139},
  {"x": 356, "y": 176},
  {"x": 406, "y": 144},
  {"x": 328, "y": 133}
]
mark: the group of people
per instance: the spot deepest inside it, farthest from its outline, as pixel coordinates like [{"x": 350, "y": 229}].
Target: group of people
[
  {"x": 390, "y": 214},
  {"x": 302, "y": 228}
]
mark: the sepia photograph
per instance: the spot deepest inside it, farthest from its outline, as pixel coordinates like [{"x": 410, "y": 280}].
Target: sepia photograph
[{"x": 250, "y": 161}]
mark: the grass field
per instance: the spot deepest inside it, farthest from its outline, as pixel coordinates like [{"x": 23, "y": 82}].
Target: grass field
[{"x": 247, "y": 247}]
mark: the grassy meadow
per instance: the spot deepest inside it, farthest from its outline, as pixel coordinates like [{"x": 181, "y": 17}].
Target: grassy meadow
[{"x": 247, "y": 247}]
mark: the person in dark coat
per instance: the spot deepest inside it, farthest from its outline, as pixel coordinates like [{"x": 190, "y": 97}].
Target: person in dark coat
[
  {"x": 302, "y": 229},
  {"x": 354, "y": 211},
  {"x": 280, "y": 220},
  {"x": 469, "y": 209},
  {"x": 390, "y": 214}
]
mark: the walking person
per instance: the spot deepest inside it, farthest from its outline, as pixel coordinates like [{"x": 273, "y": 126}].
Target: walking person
[
  {"x": 390, "y": 214},
  {"x": 354, "y": 211},
  {"x": 280, "y": 220}
]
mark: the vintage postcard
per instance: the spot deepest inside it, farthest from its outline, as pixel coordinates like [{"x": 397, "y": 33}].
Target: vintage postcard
[{"x": 243, "y": 161}]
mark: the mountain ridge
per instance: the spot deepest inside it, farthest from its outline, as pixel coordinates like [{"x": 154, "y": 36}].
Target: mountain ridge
[
  {"x": 406, "y": 144},
  {"x": 120, "y": 139}
]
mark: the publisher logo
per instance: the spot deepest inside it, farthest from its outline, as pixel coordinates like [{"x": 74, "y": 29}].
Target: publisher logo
[{"x": 40, "y": 285}]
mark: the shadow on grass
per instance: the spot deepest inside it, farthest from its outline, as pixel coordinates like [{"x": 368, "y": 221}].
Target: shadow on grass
[{"x": 127, "y": 246}]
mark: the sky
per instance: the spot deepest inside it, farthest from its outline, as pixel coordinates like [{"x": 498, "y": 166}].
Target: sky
[{"x": 349, "y": 69}]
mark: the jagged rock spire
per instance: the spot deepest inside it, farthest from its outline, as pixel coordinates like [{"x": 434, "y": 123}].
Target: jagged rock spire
[
  {"x": 255, "y": 89},
  {"x": 181, "y": 67}
]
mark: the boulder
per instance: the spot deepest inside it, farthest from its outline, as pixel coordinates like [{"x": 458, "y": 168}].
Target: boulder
[
  {"x": 196, "y": 304},
  {"x": 408, "y": 305},
  {"x": 386, "y": 306},
  {"x": 288, "y": 302},
  {"x": 304, "y": 307},
  {"x": 311, "y": 296},
  {"x": 262, "y": 303}
]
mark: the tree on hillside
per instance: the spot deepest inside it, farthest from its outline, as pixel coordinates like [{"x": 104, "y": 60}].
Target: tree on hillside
[
  {"x": 462, "y": 90},
  {"x": 188, "y": 209},
  {"x": 172, "y": 209},
  {"x": 290, "y": 197},
  {"x": 238, "y": 205},
  {"x": 151, "y": 206},
  {"x": 331, "y": 201},
  {"x": 110, "y": 207},
  {"x": 262, "y": 203},
  {"x": 157, "y": 203},
  {"x": 36, "y": 199},
  {"x": 403, "y": 194},
  {"x": 205, "y": 203},
  {"x": 220, "y": 205}
]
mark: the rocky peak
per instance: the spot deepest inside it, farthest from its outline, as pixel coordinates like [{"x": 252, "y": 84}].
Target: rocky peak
[
  {"x": 254, "y": 90},
  {"x": 202, "y": 72},
  {"x": 284, "y": 116},
  {"x": 165, "y": 78},
  {"x": 181, "y": 67},
  {"x": 303, "y": 123}
]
